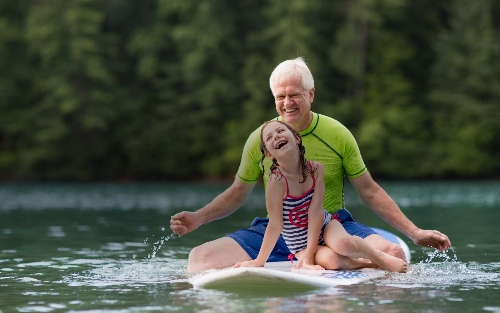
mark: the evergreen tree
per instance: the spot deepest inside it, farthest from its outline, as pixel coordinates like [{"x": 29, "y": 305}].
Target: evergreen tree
[
  {"x": 189, "y": 59},
  {"x": 348, "y": 57},
  {"x": 349, "y": 53},
  {"x": 171, "y": 89},
  {"x": 391, "y": 134},
  {"x": 283, "y": 31},
  {"x": 74, "y": 89},
  {"x": 380, "y": 96},
  {"x": 15, "y": 84},
  {"x": 466, "y": 93}
]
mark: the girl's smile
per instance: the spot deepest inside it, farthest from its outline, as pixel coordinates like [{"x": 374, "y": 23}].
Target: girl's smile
[{"x": 281, "y": 143}]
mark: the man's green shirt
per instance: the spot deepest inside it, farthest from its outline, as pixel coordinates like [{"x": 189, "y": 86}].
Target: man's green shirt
[{"x": 327, "y": 141}]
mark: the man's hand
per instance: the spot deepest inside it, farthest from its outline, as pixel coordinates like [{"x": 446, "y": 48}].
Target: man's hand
[
  {"x": 432, "y": 238},
  {"x": 184, "y": 222},
  {"x": 224, "y": 204}
]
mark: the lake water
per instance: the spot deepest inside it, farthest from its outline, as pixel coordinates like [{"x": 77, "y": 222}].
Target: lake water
[{"x": 108, "y": 248}]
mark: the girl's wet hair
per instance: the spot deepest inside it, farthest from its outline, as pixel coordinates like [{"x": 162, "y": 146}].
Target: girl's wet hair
[{"x": 302, "y": 151}]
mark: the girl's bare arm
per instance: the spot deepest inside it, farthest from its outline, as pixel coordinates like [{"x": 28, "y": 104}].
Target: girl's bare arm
[{"x": 316, "y": 214}]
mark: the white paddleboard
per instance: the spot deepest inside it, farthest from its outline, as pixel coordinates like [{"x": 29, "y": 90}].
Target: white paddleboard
[{"x": 281, "y": 274}]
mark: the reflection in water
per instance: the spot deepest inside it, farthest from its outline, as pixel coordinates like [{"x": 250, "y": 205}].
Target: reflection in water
[
  {"x": 130, "y": 272},
  {"x": 164, "y": 283},
  {"x": 107, "y": 248}
]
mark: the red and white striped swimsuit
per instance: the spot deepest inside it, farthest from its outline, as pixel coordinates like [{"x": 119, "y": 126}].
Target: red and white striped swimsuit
[{"x": 295, "y": 217}]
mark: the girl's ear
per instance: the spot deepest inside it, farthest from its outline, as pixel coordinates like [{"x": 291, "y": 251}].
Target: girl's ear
[{"x": 269, "y": 155}]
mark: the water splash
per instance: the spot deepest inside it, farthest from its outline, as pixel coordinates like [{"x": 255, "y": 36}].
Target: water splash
[
  {"x": 157, "y": 245},
  {"x": 440, "y": 256},
  {"x": 442, "y": 269}
]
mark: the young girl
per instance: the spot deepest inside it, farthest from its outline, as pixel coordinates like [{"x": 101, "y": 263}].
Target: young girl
[{"x": 294, "y": 200}]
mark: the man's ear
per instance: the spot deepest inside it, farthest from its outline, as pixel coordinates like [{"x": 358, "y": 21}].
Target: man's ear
[{"x": 311, "y": 94}]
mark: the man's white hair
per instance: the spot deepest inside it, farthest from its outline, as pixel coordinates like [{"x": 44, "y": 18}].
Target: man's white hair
[{"x": 291, "y": 69}]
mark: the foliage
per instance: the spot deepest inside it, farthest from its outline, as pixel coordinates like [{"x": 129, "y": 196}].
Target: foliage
[
  {"x": 465, "y": 95},
  {"x": 93, "y": 90}
]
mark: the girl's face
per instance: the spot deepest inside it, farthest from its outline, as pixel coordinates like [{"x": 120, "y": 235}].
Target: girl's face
[{"x": 278, "y": 140}]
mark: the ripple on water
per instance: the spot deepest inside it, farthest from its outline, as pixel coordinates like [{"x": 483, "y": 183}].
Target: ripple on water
[
  {"x": 39, "y": 264},
  {"x": 441, "y": 270},
  {"x": 132, "y": 273}
]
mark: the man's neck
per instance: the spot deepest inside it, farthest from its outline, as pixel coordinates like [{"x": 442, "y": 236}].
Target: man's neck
[{"x": 303, "y": 125}]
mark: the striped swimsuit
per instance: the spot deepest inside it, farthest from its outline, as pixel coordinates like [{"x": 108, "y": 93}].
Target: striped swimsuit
[{"x": 295, "y": 217}]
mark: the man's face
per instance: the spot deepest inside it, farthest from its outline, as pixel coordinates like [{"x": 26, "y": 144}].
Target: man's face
[{"x": 293, "y": 103}]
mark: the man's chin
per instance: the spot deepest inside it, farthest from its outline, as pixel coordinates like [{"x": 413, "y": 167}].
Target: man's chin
[
  {"x": 290, "y": 120},
  {"x": 293, "y": 116}
]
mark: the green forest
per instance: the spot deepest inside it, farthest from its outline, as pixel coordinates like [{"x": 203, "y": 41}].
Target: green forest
[{"x": 94, "y": 90}]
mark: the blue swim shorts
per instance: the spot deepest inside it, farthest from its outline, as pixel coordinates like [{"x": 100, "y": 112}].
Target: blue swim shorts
[{"x": 250, "y": 239}]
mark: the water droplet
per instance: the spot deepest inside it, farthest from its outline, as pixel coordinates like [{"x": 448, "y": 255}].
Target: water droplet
[{"x": 157, "y": 245}]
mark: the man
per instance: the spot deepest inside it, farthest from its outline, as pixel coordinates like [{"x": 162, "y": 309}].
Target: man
[{"x": 325, "y": 140}]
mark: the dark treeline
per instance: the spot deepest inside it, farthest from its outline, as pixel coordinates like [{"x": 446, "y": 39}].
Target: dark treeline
[{"x": 151, "y": 89}]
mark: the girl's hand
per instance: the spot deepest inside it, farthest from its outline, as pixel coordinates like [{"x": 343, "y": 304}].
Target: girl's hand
[
  {"x": 252, "y": 263},
  {"x": 307, "y": 265}
]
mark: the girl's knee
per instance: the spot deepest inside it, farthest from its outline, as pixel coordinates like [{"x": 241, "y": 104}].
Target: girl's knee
[{"x": 345, "y": 245}]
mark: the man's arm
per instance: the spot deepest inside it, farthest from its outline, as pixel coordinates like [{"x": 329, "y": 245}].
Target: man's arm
[
  {"x": 381, "y": 203},
  {"x": 223, "y": 205}
]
